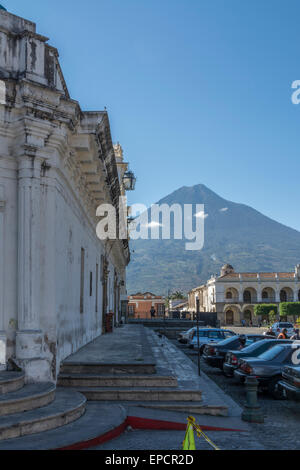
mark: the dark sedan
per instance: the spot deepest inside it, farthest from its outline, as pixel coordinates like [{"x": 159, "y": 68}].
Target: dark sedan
[
  {"x": 267, "y": 368},
  {"x": 214, "y": 355},
  {"x": 233, "y": 358},
  {"x": 290, "y": 383}
]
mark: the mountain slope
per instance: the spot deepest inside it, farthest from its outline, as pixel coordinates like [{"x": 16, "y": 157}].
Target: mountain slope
[{"x": 234, "y": 234}]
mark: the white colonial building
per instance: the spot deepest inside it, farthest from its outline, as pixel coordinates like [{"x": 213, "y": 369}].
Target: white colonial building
[
  {"x": 57, "y": 164},
  {"x": 232, "y": 296}
]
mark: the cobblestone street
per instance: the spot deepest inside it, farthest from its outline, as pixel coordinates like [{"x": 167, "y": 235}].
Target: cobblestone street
[{"x": 281, "y": 429}]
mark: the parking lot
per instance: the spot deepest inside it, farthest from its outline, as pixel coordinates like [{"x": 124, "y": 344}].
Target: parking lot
[{"x": 281, "y": 429}]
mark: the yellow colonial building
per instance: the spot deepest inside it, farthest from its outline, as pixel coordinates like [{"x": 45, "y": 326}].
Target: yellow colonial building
[{"x": 233, "y": 296}]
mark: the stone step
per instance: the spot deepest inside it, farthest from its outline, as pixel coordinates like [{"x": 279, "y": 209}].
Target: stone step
[
  {"x": 68, "y": 406},
  {"x": 140, "y": 394},
  {"x": 97, "y": 421},
  {"x": 30, "y": 397},
  {"x": 107, "y": 368},
  {"x": 11, "y": 381},
  {"x": 94, "y": 380},
  {"x": 195, "y": 408}
]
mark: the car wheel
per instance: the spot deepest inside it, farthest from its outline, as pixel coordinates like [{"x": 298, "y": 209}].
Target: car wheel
[{"x": 274, "y": 390}]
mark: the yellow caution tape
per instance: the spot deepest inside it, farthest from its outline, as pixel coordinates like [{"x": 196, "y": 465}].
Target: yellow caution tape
[{"x": 189, "y": 440}]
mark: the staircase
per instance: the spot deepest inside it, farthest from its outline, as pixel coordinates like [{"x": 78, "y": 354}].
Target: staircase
[
  {"x": 97, "y": 386},
  {"x": 121, "y": 367},
  {"x": 33, "y": 408},
  {"x": 133, "y": 366}
]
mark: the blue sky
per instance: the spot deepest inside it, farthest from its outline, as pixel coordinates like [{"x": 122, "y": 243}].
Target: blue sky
[{"x": 198, "y": 91}]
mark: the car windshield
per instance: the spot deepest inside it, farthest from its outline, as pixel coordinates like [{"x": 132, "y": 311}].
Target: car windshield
[
  {"x": 188, "y": 331},
  {"x": 226, "y": 341},
  {"x": 229, "y": 334},
  {"x": 271, "y": 353},
  {"x": 252, "y": 347},
  {"x": 285, "y": 325}
]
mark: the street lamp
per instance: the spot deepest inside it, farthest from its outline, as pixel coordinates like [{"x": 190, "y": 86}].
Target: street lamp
[
  {"x": 198, "y": 339},
  {"x": 129, "y": 181}
]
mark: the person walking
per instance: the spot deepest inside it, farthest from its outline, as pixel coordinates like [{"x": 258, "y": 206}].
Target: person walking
[
  {"x": 283, "y": 334},
  {"x": 152, "y": 312}
]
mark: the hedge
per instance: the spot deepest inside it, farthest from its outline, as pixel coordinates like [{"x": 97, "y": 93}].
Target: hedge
[
  {"x": 265, "y": 309},
  {"x": 289, "y": 308}
]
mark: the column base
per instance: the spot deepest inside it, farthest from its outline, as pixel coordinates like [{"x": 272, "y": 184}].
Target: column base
[
  {"x": 29, "y": 344},
  {"x": 30, "y": 357},
  {"x": 36, "y": 370},
  {"x": 253, "y": 415},
  {"x": 2, "y": 350}
]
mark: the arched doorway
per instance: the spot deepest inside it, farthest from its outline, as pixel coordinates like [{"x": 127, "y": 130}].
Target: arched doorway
[
  {"x": 250, "y": 295},
  {"x": 248, "y": 316},
  {"x": 283, "y": 296},
  {"x": 229, "y": 317},
  {"x": 232, "y": 294},
  {"x": 286, "y": 295},
  {"x": 268, "y": 294}
]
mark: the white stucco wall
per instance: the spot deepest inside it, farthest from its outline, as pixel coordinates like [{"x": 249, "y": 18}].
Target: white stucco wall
[{"x": 51, "y": 182}]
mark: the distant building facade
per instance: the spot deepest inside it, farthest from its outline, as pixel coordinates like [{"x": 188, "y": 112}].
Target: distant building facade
[
  {"x": 58, "y": 281},
  {"x": 140, "y": 305},
  {"x": 233, "y": 296},
  {"x": 178, "y": 304}
]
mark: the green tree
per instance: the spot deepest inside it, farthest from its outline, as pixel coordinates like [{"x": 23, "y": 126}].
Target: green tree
[
  {"x": 264, "y": 310},
  {"x": 289, "y": 309},
  {"x": 178, "y": 295},
  {"x": 272, "y": 316}
]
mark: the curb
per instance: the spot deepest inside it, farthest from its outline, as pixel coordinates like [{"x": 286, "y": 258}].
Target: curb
[
  {"x": 140, "y": 423},
  {"x": 159, "y": 425}
]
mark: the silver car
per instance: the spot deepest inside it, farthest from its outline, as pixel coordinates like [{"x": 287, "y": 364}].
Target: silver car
[{"x": 208, "y": 336}]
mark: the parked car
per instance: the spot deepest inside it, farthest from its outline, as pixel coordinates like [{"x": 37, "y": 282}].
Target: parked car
[
  {"x": 289, "y": 385},
  {"x": 267, "y": 368},
  {"x": 279, "y": 326},
  {"x": 208, "y": 336},
  {"x": 186, "y": 335},
  {"x": 233, "y": 358},
  {"x": 214, "y": 355}
]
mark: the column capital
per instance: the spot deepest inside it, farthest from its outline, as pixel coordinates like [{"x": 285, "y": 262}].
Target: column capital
[{"x": 29, "y": 167}]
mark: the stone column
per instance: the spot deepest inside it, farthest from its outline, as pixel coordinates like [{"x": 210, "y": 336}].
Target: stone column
[
  {"x": 259, "y": 289},
  {"x": 29, "y": 338},
  {"x": 295, "y": 293},
  {"x": 2, "y": 265}
]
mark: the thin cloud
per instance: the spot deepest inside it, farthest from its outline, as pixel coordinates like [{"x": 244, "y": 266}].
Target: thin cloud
[
  {"x": 201, "y": 215},
  {"x": 153, "y": 225}
]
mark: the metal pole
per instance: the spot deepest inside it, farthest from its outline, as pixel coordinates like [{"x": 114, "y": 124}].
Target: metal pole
[
  {"x": 198, "y": 339},
  {"x": 165, "y": 316}
]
